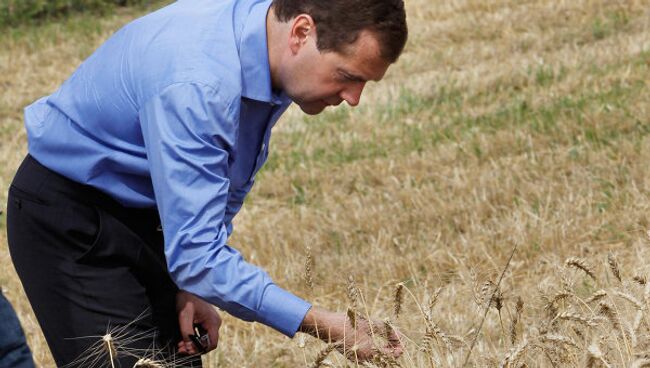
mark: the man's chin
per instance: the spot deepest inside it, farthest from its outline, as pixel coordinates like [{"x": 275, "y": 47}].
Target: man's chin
[{"x": 312, "y": 108}]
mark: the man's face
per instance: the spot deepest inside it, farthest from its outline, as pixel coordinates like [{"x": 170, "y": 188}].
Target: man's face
[{"x": 315, "y": 80}]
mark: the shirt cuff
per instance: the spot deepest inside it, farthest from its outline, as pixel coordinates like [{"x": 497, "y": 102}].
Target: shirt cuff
[{"x": 282, "y": 310}]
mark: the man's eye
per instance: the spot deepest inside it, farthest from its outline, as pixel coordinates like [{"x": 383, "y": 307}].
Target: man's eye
[{"x": 347, "y": 78}]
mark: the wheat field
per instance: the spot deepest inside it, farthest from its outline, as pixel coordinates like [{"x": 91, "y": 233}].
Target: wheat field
[{"x": 506, "y": 125}]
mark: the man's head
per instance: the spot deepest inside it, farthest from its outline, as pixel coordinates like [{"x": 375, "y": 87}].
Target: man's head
[{"x": 328, "y": 50}]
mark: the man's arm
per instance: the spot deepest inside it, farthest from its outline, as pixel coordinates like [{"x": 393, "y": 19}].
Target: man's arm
[{"x": 189, "y": 131}]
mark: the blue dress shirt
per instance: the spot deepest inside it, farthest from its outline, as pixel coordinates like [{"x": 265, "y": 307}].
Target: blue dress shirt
[{"x": 175, "y": 110}]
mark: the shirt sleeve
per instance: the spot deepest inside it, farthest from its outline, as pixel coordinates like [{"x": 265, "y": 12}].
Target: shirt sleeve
[
  {"x": 189, "y": 132},
  {"x": 236, "y": 201}
]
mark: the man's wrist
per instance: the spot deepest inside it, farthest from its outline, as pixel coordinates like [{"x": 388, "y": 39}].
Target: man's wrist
[{"x": 310, "y": 323}]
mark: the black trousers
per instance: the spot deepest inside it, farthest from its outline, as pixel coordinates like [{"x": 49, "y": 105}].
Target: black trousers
[{"x": 91, "y": 267}]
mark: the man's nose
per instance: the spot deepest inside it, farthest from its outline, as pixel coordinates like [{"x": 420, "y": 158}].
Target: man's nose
[{"x": 352, "y": 94}]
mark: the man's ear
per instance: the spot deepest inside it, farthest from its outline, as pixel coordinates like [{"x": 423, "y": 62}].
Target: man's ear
[{"x": 302, "y": 28}]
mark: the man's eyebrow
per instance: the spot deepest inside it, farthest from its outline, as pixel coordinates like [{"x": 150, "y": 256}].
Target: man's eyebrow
[{"x": 353, "y": 77}]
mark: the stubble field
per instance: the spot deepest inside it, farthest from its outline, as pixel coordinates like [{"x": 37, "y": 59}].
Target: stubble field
[{"x": 506, "y": 124}]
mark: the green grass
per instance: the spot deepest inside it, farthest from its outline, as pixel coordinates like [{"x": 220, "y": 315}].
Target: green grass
[
  {"x": 35, "y": 12},
  {"x": 548, "y": 121}
]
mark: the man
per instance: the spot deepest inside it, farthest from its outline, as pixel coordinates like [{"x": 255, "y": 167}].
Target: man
[{"x": 138, "y": 163}]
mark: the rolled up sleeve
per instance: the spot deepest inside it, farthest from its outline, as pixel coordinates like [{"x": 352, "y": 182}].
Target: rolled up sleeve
[{"x": 190, "y": 131}]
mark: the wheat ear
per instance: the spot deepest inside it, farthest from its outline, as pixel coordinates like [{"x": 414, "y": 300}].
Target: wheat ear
[
  {"x": 613, "y": 266},
  {"x": 505, "y": 268},
  {"x": 109, "y": 345},
  {"x": 581, "y": 264}
]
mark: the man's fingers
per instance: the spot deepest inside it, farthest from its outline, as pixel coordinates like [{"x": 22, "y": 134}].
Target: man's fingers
[
  {"x": 393, "y": 351},
  {"x": 395, "y": 339},
  {"x": 393, "y": 336},
  {"x": 186, "y": 325},
  {"x": 212, "y": 328},
  {"x": 182, "y": 349}
]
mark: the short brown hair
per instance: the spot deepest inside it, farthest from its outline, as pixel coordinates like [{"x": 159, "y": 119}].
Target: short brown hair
[{"x": 339, "y": 22}]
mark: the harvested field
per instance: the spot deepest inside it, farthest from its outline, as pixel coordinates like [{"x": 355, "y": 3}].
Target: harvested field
[{"x": 505, "y": 124}]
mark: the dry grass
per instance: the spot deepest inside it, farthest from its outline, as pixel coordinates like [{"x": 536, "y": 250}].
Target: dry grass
[{"x": 505, "y": 123}]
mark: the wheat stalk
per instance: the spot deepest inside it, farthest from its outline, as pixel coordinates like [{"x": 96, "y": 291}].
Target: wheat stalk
[
  {"x": 609, "y": 313},
  {"x": 630, "y": 298},
  {"x": 398, "y": 298},
  {"x": 581, "y": 265},
  {"x": 519, "y": 306},
  {"x": 353, "y": 292},
  {"x": 575, "y": 317},
  {"x": 597, "y": 296},
  {"x": 147, "y": 363},
  {"x": 641, "y": 280},
  {"x": 352, "y": 316},
  {"x": 638, "y": 318},
  {"x": 559, "y": 339},
  {"x": 389, "y": 329},
  {"x": 594, "y": 355},
  {"x": 641, "y": 363},
  {"x": 433, "y": 332},
  {"x": 320, "y": 358},
  {"x": 505, "y": 268},
  {"x": 309, "y": 265},
  {"x": 613, "y": 266},
  {"x": 109, "y": 346},
  {"x": 514, "y": 355}
]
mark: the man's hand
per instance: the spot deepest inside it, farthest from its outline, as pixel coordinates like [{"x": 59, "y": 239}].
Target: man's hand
[
  {"x": 193, "y": 310},
  {"x": 355, "y": 342}
]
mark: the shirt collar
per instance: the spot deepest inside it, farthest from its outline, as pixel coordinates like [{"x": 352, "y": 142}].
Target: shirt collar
[{"x": 254, "y": 57}]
